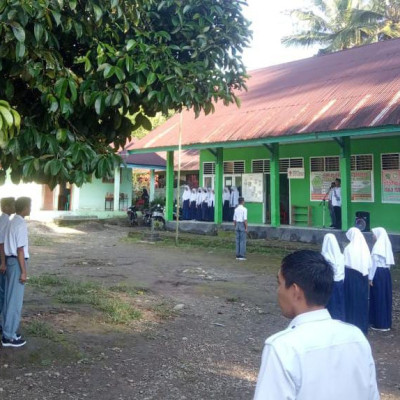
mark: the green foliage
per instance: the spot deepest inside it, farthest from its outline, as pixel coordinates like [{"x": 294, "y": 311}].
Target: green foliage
[
  {"x": 342, "y": 24},
  {"x": 74, "y": 70}
]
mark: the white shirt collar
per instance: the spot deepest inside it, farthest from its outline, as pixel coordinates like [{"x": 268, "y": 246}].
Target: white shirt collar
[{"x": 310, "y": 316}]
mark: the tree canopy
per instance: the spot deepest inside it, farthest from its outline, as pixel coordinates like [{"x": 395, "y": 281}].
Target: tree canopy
[
  {"x": 342, "y": 24},
  {"x": 72, "y": 71}
]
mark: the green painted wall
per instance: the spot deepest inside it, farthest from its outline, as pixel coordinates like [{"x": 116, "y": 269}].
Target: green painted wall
[
  {"x": 381, "y": 214},
  {"x": 91, "y": 195}
]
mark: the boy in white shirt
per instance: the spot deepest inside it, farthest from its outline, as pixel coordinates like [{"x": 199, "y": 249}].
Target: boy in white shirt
[{"x": 240, "y": 223}]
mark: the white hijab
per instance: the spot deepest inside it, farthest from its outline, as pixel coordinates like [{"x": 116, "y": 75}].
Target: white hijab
[
  {"x": 356, "y": 254},
  {"x": 211, "y": 197},
  {"x": 199, "y": 196},
  {"x": 332, "y": 254},
  {"x": 226, "y": 196},
  {"x": 193, "y": 195},
  {"x": 186, "y": 193},
  {"x": 382, "y": 246}
]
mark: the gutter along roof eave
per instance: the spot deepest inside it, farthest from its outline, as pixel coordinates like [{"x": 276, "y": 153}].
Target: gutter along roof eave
[{"x": 296, "y": 138}]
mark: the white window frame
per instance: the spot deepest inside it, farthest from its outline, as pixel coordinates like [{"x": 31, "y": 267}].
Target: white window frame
[
  {"x": 380, "y": 178},
  {"x": 372, "y": 177}
]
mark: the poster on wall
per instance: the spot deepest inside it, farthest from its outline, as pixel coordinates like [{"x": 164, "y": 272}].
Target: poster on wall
[
  {"x": 253, "y": 188},
  {"x": 320, "y": 183},
  {"x": 391, "y": 186},
  {"x": 361, "y": 186}
]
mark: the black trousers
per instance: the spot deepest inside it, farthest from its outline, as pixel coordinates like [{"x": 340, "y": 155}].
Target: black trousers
[{"x": 338, "y": 216}]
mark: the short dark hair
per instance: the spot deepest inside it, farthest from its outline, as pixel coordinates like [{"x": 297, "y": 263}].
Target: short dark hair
[
  {"x": 241, "y": 200},
  {"x": 7, "y": 202},
  {"x": 312, "y": 273},
  {"x": 339, "y": 180},
  {"x": 21, "y": 203}
]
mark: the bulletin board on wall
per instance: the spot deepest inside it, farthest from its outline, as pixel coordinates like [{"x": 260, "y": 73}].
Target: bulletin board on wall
[{"x": 253, "y": 188}]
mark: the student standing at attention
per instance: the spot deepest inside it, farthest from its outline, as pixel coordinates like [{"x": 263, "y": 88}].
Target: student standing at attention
[
  {"x": 17, "y": 255},
  {"x": 7, "y": 208},
  {"x": 332, "y": 254},
  {"x": 240, "y": 223},
  {"x": 380, "y": 295},
  {"x": 316, "y": 357},
  {"x": 358, "y": 263}
]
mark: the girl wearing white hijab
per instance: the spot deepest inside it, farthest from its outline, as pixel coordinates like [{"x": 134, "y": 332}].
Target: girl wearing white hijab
[
  {"x": 199, "y": 200},
  {"x": 193, "y": 198},
  {"x": 204, "y": 205},
  {"x": 226, "y": 198},
  {"x": 185, "y": 202},
  {"x": 358, "y": 263},
  {"x": 211, "y": 201},
  {"x": 332, "y": 254},
  {"x": 380, "y": 298}
]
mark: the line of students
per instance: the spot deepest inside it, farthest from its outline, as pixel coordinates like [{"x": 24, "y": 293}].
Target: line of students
[
  {"x": 354, "y": 271},
  {"x": 14, "y": 256},
  {"x": 199, "y": 204}
]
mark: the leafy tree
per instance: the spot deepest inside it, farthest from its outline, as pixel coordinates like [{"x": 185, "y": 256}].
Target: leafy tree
[
  {"x": 74, "y": 69},
  {"x": 342, "y": 24}
]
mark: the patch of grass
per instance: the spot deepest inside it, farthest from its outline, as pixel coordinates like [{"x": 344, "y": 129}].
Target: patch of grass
[
  {"x": 163, "y": 311},
  {"x": 232, "y": 299},
  {"x": 114, "y": 304},
  {"x": 41, "y": 329}
]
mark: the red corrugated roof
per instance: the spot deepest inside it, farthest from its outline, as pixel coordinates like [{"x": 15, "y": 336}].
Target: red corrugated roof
[
  {"x": 351, "y": 89},
  {"x": 190, "y": 160}
]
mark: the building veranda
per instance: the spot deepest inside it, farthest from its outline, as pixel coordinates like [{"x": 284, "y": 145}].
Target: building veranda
[{"x": 300, "y": 126}]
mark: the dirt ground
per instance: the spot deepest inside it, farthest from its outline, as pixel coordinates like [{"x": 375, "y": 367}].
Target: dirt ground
[{"x": 204, "y": 320}]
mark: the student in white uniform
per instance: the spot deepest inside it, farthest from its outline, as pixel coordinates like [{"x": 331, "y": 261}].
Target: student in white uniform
[
  {"x": 240, "y": 223},
  {"x": 316, "y": 357},
  {"x": 226, "y": 198},
  {"x": 193, "y": 207},
  {"x": 337, "y": 203},
  {"x": 211, "y": 205},
  {"x": 17, "y": 256},
  {"x": 358, "y": 263},
  {"x": 7, "y": 208},
  {"x": 332, "y": 254},
  {"x": 380, "y": 295},
  {"x": 185, "y": 202}
]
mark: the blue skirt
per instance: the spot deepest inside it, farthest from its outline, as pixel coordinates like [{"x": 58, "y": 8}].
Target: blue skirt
[
  {"x": 335, "y": 305},
  {"x": 356, "y": 298},
  {"x": 380, "y": 300}
]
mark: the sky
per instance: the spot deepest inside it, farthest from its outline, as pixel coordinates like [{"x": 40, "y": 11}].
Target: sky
[{"x": 269, "y": 24}]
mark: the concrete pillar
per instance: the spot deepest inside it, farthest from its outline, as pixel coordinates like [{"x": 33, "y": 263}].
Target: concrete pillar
[
  {"x": 152, "y": 185},
  {"x": 169, "y": 187},
  {"x": 218, "y": 185},
  {"x": 275, "y": 192},
  {"x": 117, "y": 178},
  {"x": 345, "y": 176},
  {"x": 75, "y": 191}
]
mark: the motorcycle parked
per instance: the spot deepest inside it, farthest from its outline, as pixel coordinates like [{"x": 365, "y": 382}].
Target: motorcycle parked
[
  {"x": 132, "y": 215},
  {"x": 155, "y": 216}
]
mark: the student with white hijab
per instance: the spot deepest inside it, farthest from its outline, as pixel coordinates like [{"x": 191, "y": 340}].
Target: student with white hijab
[
  {"x": 332, "y": 254},
  {"x": 380, "y": 298},
  {"x": 193, "y": 207},
  {"x": 185, "y": 202},
  {"x": 210, "y": 203},
  {"x": 199, "y": 200},
  {"x": 226, "y": 198},
  {"x": 204, "y": 205},
  {"x": 358, "y": 263}
]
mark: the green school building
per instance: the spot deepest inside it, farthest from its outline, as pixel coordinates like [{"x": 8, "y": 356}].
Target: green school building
[{"x": 300, "y": 126}]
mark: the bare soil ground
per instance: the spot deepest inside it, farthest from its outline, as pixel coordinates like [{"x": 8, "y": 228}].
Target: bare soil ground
[{"x": 204, "y": 319}]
